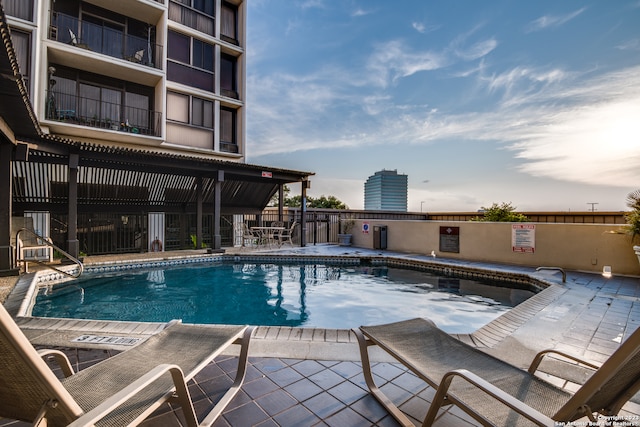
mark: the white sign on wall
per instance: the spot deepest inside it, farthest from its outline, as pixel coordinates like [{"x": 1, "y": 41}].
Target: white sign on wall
[{"x": 523, "y": 238}]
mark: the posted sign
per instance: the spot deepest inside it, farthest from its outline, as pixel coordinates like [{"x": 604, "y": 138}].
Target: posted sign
[{"x": 523, "y": 238}]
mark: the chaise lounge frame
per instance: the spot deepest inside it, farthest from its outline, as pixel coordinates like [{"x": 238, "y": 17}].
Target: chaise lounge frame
[
  {"x": 492, "y": 391},
  {"x": 121, "y": 390}
]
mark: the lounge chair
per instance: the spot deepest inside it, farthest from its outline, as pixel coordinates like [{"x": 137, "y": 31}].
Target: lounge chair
[
  {"x": 123, "y": 389},
  {"x": 491, "y": 390}
]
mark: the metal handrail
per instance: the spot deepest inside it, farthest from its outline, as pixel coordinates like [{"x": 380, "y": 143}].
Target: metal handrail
[
  {"x": 46, "y": 242},
  {"x": 564, "y": 274}
]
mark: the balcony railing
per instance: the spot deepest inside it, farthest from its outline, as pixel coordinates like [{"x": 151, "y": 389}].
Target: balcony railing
[
  {"x": 101, "y": 114},
  {"x": 192, "y": 18},
  {"x": 107, "y": 41}
]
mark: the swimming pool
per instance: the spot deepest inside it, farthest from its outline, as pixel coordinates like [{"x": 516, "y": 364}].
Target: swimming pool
[{"x": 274, "y": 294}]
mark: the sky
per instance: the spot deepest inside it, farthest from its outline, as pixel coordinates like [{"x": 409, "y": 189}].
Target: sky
[{"x": 533, "y": 103}]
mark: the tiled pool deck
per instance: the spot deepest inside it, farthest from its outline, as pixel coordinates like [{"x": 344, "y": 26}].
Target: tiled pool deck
[{"x": 305, "y": 377}]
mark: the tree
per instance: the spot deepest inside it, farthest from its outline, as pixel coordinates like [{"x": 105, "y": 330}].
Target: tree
[
  {"x": 503, "y": 212},
  {"x": 322, "y": 202},
  {"x": 633, "y": 217}
]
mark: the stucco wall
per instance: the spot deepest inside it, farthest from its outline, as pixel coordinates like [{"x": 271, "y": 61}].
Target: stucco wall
[{"x": 586, "y": 247}]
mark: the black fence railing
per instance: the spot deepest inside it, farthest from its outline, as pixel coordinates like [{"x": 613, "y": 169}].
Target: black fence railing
[
  {"x": 323, "y": 225},
  {"x": 102, "y": 114},
  {"x": 108, "y": 233},
  {"x": 107, "y": 41}
]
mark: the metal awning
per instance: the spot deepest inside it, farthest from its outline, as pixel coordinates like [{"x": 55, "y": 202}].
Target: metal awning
[{"x": 121, "y": 179}]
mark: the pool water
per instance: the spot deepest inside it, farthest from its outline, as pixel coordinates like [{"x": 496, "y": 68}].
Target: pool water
[{"x": 306, "y": 295}]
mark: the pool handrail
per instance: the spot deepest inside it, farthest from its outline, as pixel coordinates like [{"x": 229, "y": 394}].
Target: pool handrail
[
  {"x": 45, "y": 242},
  {"x": 560, "y": 269}
]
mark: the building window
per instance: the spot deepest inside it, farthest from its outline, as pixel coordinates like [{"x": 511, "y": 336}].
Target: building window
[
  {"x": 191, "y": 61},
  {"x": 229, "y": 23},
  {"x": 202, "y": 55},
  {"x": 228, "y": 137},
  {"x": 179, "y": 47},
  {"x": 22, "y": 46},
  {"x": 228, "y": 80},
  {"x": 200, "y": 113},
  {"x": 178, "y": 107},
  {"x": 22, "y": 9},
  {"x": 205, "y": 6},
  {"x": 196, "y": 14}
]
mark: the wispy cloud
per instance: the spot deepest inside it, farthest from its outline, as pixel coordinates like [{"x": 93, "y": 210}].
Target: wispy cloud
[
  {"x": 580, "y": 131},
  {"x": 633, "y": 45},
  {"x": 477, "y": 50},
  {"x": 360, "y": 12},
  {"x": 548, "y": 21},
  {"x": 394, "y": 59},
  {"x": 311, "y": 4},
  {"x": 419, "y": 27}
]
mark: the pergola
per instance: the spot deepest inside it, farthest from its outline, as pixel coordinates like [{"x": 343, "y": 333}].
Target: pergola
[{"x": 48, "y": 173}]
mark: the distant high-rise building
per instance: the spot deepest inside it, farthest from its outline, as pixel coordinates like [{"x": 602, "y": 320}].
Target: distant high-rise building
[{"x": 386, "y": 190}]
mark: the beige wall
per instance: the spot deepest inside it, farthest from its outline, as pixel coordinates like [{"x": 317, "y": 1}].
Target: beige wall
[{"x": 586, "y": 247}]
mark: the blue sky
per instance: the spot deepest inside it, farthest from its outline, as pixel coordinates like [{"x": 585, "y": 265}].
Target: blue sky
[{"x": 536, "y": 103}]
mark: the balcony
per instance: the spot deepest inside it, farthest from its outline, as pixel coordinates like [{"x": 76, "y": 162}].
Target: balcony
[
  {"x": 101, "y": 114},
  {"x": 104, "y": 40}
]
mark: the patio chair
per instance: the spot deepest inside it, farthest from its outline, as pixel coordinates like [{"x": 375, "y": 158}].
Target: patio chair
[
  {"x": 286, "y": 235},
  {"x": 249, "y": 238},
  {"x": 273, "y": 236},
  {"x": 139, "y": 55},
  {"x": 123, "y": 389},
  {"x": 491, "y": 390}
]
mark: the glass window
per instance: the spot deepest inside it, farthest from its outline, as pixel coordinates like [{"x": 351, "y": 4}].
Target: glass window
[
  {"x": 178, "y": 47},
  {"x": 228, "y": 73},
  {"x": 22, "y": 46},
  {"x": 202, "y": 55},
  {"x": 90, "y": 102},
  {"x": 227, "y": 125},
  {"x": 22, "y": 9},
  {"x": 228, "y": 21},
  {"x": 178, "y": 107},
  {"x": 202, "y": 113},
  {"x": 137, "y": 110},
  {"x": 110, "y": 105},
  {"x": 205, "y": 6}
]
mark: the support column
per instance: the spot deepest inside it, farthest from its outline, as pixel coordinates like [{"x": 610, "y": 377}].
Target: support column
[
  {"x": 217, "y": 206},
  {"x": 303, "y": 209},
  {"x": 7, "y": 261},
  {"x": 73, "y": 245},
  {"x": 199, "y": 215},
  {"x": 281, "y": 202}
]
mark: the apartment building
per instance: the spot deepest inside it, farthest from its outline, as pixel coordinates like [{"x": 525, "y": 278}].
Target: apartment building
[
  {"x": 160, "y": 73},
  {"x": 140, "y": 111}
]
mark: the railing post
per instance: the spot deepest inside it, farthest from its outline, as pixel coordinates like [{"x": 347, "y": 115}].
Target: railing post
[{"x": 315, "y": 227}]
